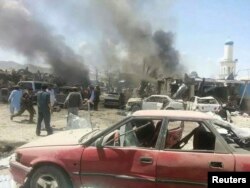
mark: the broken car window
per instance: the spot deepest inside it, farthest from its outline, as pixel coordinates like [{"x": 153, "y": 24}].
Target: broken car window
[
  {"x": 136, "y": 133},
  {"x": 189, "y": 135}
]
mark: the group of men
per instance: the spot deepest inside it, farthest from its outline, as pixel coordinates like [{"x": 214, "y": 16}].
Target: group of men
[
  {"x": 75, "y": 99},
  {"x": 23, "y": 100}
]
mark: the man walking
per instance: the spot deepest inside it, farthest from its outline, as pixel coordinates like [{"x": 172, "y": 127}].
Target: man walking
[
  {"x": 73, "y": 101},
  {"x": 44, "y": 109},
  {"x": 26, "y": 104},
  {"x": 91, "y": 96},
  {"x": 15, "y": 100}
]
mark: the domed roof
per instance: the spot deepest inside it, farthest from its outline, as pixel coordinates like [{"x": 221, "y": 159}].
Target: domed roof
[{"x": 229, "y": 43}]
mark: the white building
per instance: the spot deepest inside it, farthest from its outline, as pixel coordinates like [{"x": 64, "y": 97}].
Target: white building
[{"x": 228, "y": 63}]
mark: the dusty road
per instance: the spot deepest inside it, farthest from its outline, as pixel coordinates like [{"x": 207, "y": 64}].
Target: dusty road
[{"x": 19, "y": 130}]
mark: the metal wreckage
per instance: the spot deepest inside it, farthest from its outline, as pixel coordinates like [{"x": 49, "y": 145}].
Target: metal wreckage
[{"x": 234, "y": 94}]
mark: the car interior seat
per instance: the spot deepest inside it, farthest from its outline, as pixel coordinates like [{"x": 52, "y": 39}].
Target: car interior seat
[
  {"x": 145, "y": 133},
  {"x": 174, "y": 135},
  {"x": 203, "y": 140}
]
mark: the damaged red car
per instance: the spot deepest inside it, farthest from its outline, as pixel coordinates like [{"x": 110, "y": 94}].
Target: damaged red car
[{"x": 149, "y": 149}]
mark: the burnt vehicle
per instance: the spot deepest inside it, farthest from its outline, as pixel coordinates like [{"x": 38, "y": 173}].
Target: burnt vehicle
[
  {"x": 154, "y": 102},
  {"x": 112, "y": 99},
  {"x": 150, "y": 148},
  {"x": 203, "y": 104}
]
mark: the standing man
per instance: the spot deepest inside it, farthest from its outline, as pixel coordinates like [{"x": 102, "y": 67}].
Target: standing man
[
  {"x": 15, "y": 100},
  {"x": 91, "y": 96},
  {"x": 51, "y": 92},
  {"x": 52, "y": 96},
  {"x": 97, "y": 93},
  {"x": 73, "y": 101},
  {"x": 44, "y": 109}
]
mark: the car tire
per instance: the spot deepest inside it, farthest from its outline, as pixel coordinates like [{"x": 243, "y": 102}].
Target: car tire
[
  {"x": 49, "y": 175},
  {"x": 135, "y": 108}
]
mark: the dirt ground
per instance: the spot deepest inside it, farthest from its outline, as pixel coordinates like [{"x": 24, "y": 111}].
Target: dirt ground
[{"x": 18, "y": 131}]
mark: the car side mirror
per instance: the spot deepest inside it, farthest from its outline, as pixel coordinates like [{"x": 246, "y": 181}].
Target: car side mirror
[{"x": 98, "y": 142}]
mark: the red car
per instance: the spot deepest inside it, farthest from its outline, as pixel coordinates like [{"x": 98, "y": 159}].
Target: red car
[{"x": 151, "y": 148}]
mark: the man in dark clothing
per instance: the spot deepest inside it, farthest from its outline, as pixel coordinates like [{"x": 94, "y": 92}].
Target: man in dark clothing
[
  {"x": 73, "y": 101},
  {"x": 91, "y": 96},
  {"x": 97, "y": 93},
  {"x": 44, "y": 109},
  {"x": 26, "y": 104},
  {"x": 122, "y": 100}
]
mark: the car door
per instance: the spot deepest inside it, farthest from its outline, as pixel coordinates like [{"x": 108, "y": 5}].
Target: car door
[
  {"x": 125, "y": 165},
  {"x": 152, "y": 103},
  {"x": 189, "y": 166}
]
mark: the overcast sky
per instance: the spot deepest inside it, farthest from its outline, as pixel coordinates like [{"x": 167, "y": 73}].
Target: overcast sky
[{"x": 200, "y": 27}]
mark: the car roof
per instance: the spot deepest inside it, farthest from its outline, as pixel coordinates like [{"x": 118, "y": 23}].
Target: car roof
[{"x": 174, "y": 114}]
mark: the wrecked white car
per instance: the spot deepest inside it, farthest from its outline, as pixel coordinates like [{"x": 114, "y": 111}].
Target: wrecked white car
[
  {"x": 203, "y": 104},
  {"x": 154, "y": 102}
]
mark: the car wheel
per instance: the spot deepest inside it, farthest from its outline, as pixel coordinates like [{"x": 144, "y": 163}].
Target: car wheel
[
  {"x": 135, "y": 108},
  {"x": 49, "y": 176}
]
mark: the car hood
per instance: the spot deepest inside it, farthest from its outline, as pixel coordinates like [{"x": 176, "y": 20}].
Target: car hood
[{"x": 64, "y": 138}]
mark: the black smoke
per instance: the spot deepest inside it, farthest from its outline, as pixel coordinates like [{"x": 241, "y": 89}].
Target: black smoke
[
  {"x": 152, "y": 49},
  {"x": 21, "y": 32},
  {"x": 166, "y": 57}
]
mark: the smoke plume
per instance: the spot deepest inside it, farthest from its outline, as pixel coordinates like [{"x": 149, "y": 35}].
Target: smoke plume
[
  {"x": 35, "y": 40},
  {"x": 129, "y": 41},
  {"x": 153, "y": 50}
]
